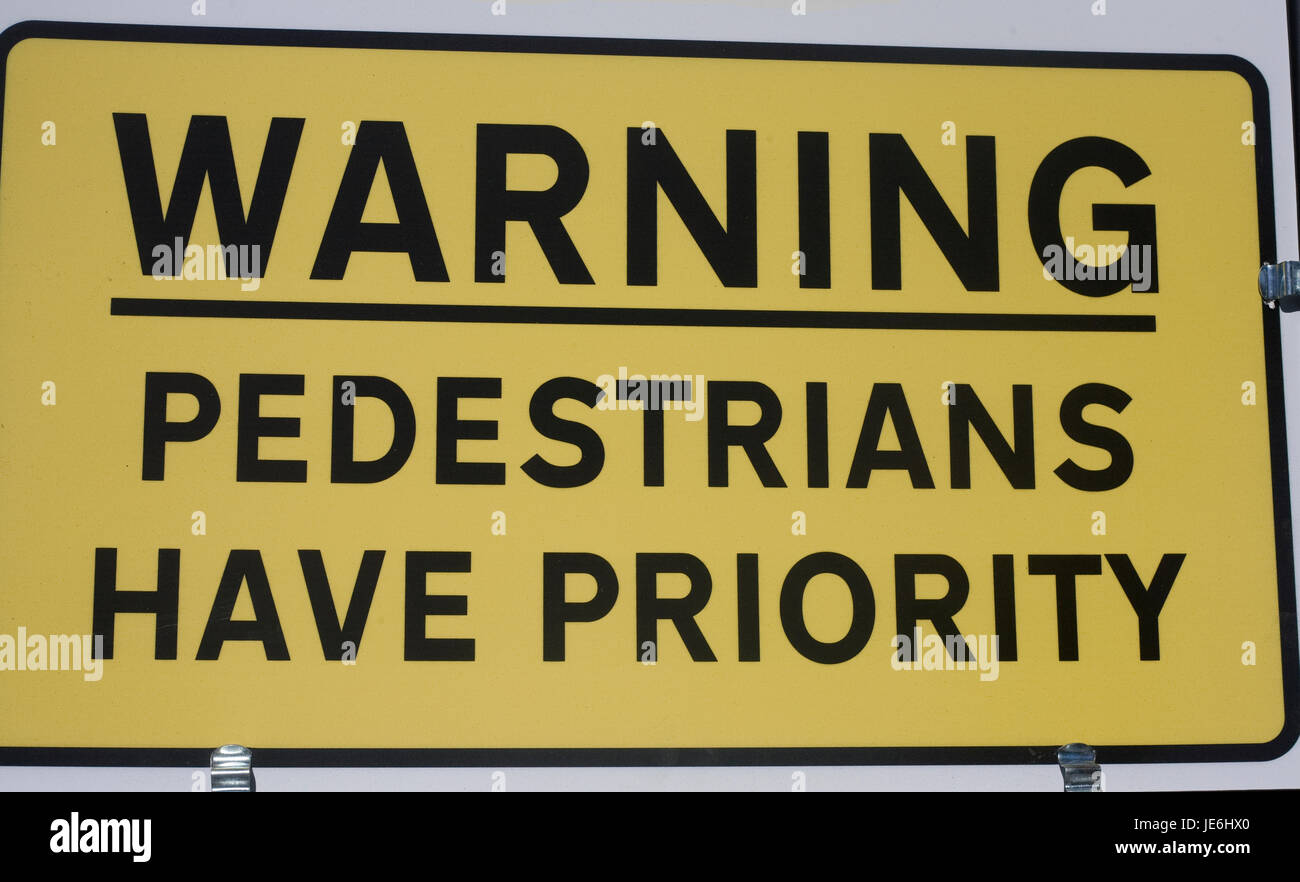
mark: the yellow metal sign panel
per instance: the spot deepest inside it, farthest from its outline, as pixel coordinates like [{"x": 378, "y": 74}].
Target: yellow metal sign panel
[{"x": 397, "y": 399}]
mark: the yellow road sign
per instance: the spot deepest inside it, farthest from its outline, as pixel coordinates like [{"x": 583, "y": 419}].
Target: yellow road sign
[{"x": 635, "y": 402}]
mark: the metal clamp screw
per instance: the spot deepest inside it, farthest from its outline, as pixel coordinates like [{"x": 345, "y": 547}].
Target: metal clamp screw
[
  {"x": 232, "y": 770},
  {"x": 1279, "y": 285},
  {"x": 1079, "y": 768}
]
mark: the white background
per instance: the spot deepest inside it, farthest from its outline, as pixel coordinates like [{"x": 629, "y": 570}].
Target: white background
[{"x": 1253, "y": 29}]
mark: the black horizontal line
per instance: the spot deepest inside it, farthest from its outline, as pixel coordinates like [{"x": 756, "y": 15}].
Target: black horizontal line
[{"x": 629, "y": 316}]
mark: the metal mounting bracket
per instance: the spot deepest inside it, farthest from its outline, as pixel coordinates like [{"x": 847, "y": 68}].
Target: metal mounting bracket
[
  {"x": 1279, "y": 285},
  {"x": 232, "y": 770},
  {"x": 1079, "y": 768}
]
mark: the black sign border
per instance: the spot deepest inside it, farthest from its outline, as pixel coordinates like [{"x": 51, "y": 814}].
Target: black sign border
[{"x": 764, "y": 756}]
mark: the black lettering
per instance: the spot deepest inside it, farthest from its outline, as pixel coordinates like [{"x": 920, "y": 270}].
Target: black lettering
[
  {"x": 542, "y": 209},
  {"x": 967, "y": 412},
  {"x": 591, "y": 450},
  {"x": 206, "y": 154},
  {"x": 1103, "y": 437},
  {"x": 243, "y": 567},
  {"x": 681, "y": 611},
  {"x": 733, "y": 251},
  {"x": 895, "y": 170},
  {"x": 158, "y": 430},
  {"x": 819, "y": 468},
  {"x": 887, "y": 400},
  {"x": 792, "y": 601},
  {"x": 344, "y": 468},
  {"x": 815, "y": 209},
  {"x": 1004, "y": 605},
  {"x": 1147, "y": 601},
  {"x": 1138, "y": 221},
  {"x": 1067, "y": 568},
  {"x": 747, "y": 607},
  {"x": 253, "y": 427},
  {"x": 413, "y": 233},
  {"x": 558, "y": 611},
  {"x": 723, "y": 435},
  {"x": 420, "y": 605},
  {"x": 332, "y": 634},
  {"x": 451, "y": 429},
  {"x": 162, "y": 602},
  {"x": 940, "y": 610}
]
